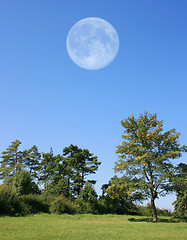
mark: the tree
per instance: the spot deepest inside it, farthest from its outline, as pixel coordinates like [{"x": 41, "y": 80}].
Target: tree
[
  {"x": 22, "y": 183},
  {"x": 48, "y": 169},
  {"x": 145, "y": 156},
  {"x": 88, "y": 193},
  {"x": 81, "y": 163},
  {"x": 32, "y": 160},
  {"x": 180, "y": 187},
  {"x": 12, "y": 161},
  {"x": 117, "y": 196},
  {"x": 119, "y": 188}
]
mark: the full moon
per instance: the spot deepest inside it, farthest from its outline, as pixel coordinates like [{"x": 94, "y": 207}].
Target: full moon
[{"x": 92, "y": 43}]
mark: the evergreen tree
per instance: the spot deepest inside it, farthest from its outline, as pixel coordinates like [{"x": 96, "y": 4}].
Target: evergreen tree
[
  {"x": 12, "y": 161},
  {"x": 81, "y": 163},
  {"x": 65, "y": 174},
  {"x": 47, "y": 168},
  {"x": 32, "y": 160}
]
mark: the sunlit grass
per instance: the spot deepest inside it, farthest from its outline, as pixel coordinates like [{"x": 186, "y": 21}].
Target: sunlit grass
[{"x": 87, "y": 227}]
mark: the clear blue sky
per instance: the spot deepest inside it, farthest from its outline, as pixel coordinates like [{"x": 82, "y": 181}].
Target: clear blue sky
[{"x": 47, "y": 100}]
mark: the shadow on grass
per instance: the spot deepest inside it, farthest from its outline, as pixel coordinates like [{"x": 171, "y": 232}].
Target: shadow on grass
[{"x": 164, "y": 220}]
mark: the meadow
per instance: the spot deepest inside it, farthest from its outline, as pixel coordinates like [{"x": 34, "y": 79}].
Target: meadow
[{"x": 90, "y": 227}]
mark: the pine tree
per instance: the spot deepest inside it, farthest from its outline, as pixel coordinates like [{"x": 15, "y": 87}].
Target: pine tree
[
  {"x": 12, "y": 161},
  {"x": 32, "y": 160},
  {"x": 82, "y": 163}
]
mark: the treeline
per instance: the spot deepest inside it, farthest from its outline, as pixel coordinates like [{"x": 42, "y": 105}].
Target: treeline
[
  {"x": 36, "y": 182},
  {"x": 58, "y": 174}
]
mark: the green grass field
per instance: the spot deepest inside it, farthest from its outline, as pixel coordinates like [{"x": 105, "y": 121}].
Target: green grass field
[{"x": 89, "y": 227}]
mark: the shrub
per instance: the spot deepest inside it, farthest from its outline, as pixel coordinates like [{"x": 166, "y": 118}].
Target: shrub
[
  {"x": 22, "y": 183},
  {"x": 147, "y": 211},
  {"x": 32, "y": 204},
  {"x": 83, "y": 207},
  {"x": 88, "y": 193},
  {"x": 144, "y": 211},
  {"x": 9, "y": 202},
  {"x": 61, "y": 205},
  {"x": 115, "y": 206}
]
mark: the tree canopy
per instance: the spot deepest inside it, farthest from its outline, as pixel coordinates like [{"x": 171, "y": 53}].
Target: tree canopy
[
  {"x": 145, "y": 156},
  {"x": 180, "y": 187}
]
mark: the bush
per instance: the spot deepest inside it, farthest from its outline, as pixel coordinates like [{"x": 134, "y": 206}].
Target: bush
[
  {"x": 144, "y": 211},
  {"x": 164, "y": 212},
  {"x": 61, "y": 205},
  {"x": 83, "y": 207},
  {"x": 180, "y": 209},
  {"x": 88, "y": 193},
  {"x": 9, "y": 202},
  {"x": 147, "y": 211},
  {"x": 32, "y": 204},
  {"x": 22, "y": 183},
  {"x": 116, "y": 206}
]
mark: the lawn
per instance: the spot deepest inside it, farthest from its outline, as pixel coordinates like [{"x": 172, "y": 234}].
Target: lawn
[{"x": 87, "y": 227}]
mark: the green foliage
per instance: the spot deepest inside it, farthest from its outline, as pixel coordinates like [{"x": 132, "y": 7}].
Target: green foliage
[
  {"x": 15, "y": 163},
  {"x": 180, "y": 206},
  {"x": 15, "y": 205},
  {"x": 116, "y": 197},
  {"x": 88, "y": 193},
  {"x": 180, "y": 186},
  {"x": 9, "y": 202},
  {"x": 32, "y": 204},
  {"x": 87, "y": 202},
  {"x": 147, "y": 211},
  {"x": 61, "y": 205},
  {"x": 80, "y": 163},
  {"x": 119, "y": 189},
  {"x": 65, "y": 174},
  {"x": 145, "y": 156},
  {"x": 22, "y": 183},
  {"x": 12, "y": 161},
  {"x": 83, "y": 207},
  {"x": 32, "y": 160}
]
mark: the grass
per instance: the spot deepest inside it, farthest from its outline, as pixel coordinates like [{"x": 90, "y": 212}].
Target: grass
[{"x": 89, "y": 227}]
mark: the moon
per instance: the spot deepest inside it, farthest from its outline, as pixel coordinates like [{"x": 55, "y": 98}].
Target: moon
[{"x": 92, "y": 43}]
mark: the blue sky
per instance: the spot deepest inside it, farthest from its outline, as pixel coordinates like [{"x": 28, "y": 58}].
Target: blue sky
[{"x": 47, "y": 100}]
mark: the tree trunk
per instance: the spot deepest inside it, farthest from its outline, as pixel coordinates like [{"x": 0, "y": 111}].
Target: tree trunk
[{"x": 154, "y": 209}]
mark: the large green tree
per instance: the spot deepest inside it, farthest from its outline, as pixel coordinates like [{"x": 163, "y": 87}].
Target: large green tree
[
  {"x": 56, "y": 173},
  {"x": 180, "y": 187},
  {"x": 82, "y": 163},
  {"x": 12, "y": 161},
  {"x": 145, "y": 156}
]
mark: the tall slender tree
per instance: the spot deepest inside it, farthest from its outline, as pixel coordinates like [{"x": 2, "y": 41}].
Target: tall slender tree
[
  {"x": 12, "y": 161},
  {"x": 47, "y": 168},
  {"x": 145, "y": 156}
]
